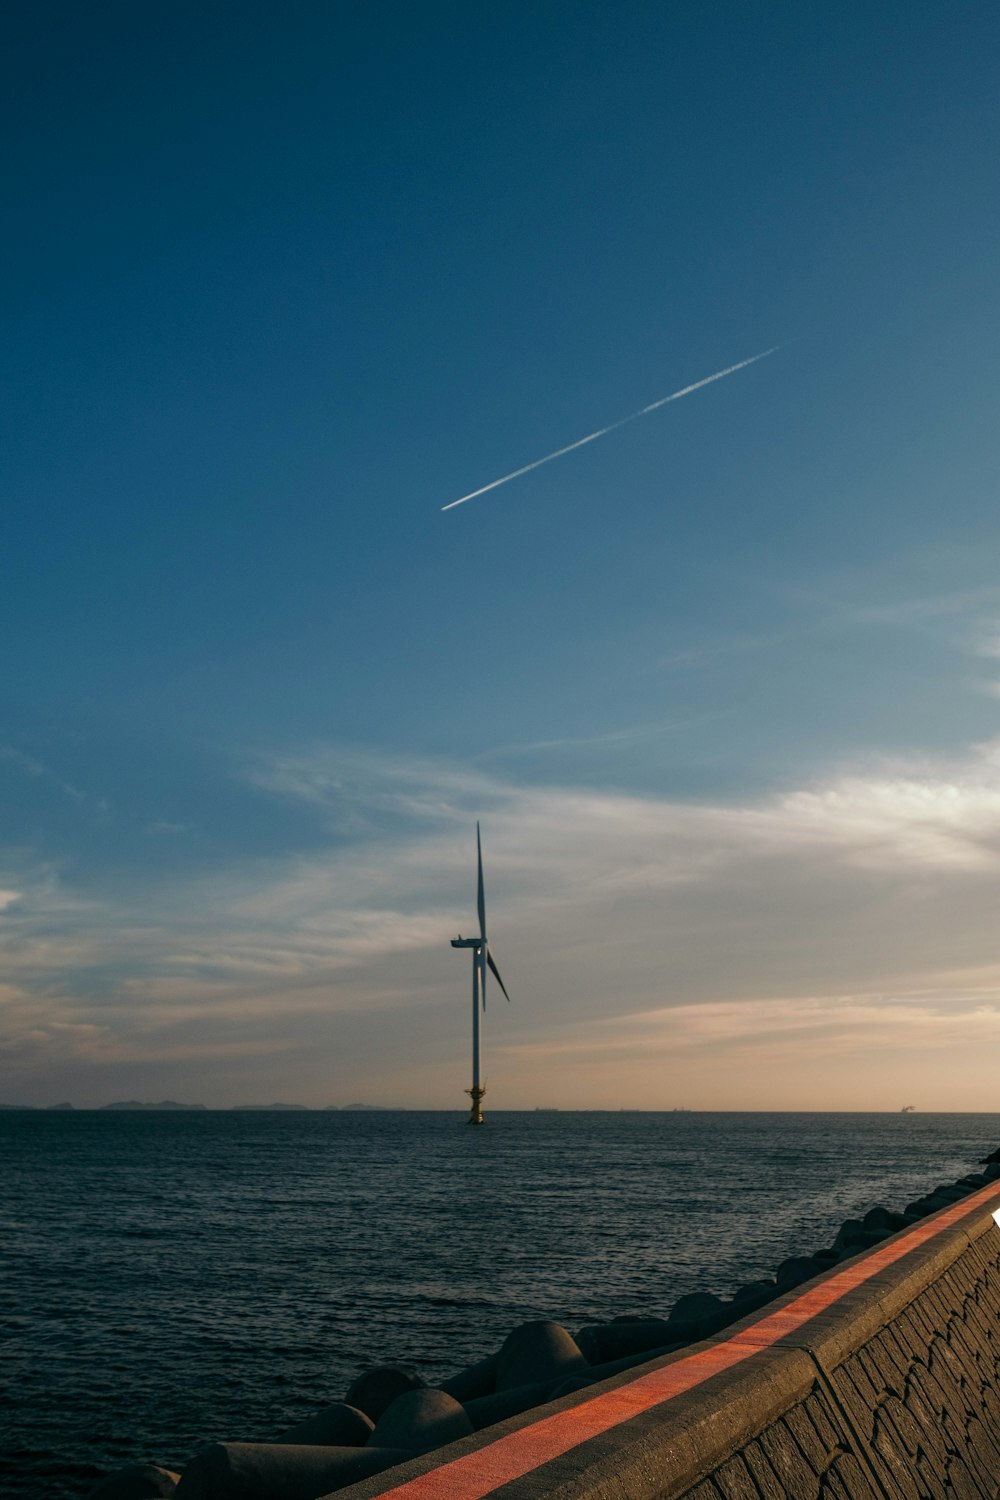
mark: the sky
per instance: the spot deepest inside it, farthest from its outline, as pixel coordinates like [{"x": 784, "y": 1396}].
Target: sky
[{"x": 280, "y": 282}]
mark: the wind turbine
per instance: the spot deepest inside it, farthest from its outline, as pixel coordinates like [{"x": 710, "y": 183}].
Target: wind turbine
[{"x": 481, "y": 958}]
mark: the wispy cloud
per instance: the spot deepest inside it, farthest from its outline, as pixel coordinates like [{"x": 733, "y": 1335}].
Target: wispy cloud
[
  {"x": 932, "y": 1020},
  {"x": 31, "y": 766},
  {"x": 636, "y": 734},
  {"x": 710, "y": 651},
  {"x": 753, "y": 926},
  {"x": 987, "y": 640}
]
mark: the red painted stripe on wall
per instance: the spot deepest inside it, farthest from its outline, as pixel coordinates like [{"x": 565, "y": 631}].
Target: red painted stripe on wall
[{"x": 508, "y": 1458}]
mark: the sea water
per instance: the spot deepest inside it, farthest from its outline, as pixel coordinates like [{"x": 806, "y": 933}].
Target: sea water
[{"x": 174, "y": 1279}]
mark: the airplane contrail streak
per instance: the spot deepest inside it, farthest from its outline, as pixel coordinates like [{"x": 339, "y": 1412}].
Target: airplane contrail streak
[{"x": 603, "y": 431}]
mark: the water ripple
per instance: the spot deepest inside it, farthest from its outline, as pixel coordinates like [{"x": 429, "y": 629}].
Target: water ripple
[{"x": 176, "y": 1279}]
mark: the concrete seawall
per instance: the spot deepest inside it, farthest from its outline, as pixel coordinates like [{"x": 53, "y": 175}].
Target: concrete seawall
[{"x": 877, "y": 1381}]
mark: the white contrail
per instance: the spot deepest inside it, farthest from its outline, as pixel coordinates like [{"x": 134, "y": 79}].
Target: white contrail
[{"x": 603, "y": 431}]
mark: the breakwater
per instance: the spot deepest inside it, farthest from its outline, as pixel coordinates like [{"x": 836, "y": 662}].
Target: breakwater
[{"x": 820, "y": 1381}]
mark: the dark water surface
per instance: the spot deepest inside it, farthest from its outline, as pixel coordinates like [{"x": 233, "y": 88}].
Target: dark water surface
[{"x": 174, "y": 1279}]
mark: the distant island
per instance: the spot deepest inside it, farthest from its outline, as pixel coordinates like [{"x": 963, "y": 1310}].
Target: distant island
[
  {"x": 45, "y": 1108},
  {"x": 133, "y": 1105}
]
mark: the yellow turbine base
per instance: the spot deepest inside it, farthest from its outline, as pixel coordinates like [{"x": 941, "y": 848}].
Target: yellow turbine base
[{"x": 476, "y": 1113}]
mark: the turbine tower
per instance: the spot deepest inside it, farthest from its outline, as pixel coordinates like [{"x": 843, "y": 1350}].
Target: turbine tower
[{"x": 481, "y": 959}]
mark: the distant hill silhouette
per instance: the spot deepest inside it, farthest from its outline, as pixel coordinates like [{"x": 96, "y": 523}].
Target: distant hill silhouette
[
  {"x": 136, "y": 1104},
  {"x": 36, "y": 1106}
]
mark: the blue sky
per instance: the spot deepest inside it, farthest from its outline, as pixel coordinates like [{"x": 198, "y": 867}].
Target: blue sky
[{"x": 281, "y": 282}]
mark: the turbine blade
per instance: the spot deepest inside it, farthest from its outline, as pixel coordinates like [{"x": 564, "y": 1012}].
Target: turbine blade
[
  {"x": 496, "y": 975},
  {"x": 481, "y": 891}
]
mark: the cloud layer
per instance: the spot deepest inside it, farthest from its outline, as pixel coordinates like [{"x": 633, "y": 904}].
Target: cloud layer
[{"x": 829, "y": 946}]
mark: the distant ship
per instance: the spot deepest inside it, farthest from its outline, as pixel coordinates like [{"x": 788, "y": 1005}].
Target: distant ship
[{"x": 907, "y": 1109}]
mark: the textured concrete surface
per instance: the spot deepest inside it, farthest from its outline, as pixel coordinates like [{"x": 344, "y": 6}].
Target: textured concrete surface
[{"x": 879, "y": 1380}]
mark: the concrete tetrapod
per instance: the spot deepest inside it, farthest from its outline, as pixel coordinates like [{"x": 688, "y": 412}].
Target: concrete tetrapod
[
  {"x": 484, "y": 1411},
  {"x": 475, "y": 1380},
  {"x": 572, "y": 1385},
  {"x": 603, "y": 1341},
  {"x": 421, "y": 1420},
  {"x": 852, "y": 1234},
  {"x": 884, "y": 1218},
  {"x": 279, "y": 1471},
  {"x": 753, "y": 1294},
  {"x": 378, "y": 1388},
  {"x": 336, "y": 1426},
  {"x": 948, "y": 1192},
  {"x": 535, "y": 1352},
  {"x": 705, "y": 1310},
  {"x": 609, "y": 1368},
  {"x": 796, "y": 1269},
  {"x": 137, "y": 1482},
  {"x": 931, "y": 1202}
]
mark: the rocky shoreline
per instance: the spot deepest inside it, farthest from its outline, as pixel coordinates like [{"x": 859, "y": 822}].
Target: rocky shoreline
[{"x": 388, "y": 1415}]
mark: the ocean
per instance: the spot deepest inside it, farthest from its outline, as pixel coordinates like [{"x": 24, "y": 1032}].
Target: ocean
[{"x": 174, "y": 1279}]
